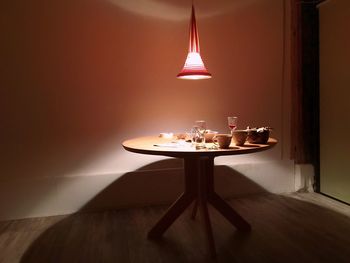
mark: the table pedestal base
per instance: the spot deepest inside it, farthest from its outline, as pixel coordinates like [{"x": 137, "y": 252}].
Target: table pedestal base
[{"x": 199, "y": 187}]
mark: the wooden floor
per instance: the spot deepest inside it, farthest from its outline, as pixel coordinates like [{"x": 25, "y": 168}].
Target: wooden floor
[{"x": 286, "y": 228}]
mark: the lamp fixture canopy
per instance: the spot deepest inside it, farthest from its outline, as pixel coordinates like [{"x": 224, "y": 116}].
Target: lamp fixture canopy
[{"x": 194, "y": 67}]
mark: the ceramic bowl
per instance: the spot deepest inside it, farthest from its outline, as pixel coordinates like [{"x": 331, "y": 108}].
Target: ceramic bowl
[
  {"x": 258, "y": 137},
  {"x": 239, "y": 137},
  {"x": 209, "y": 135}
]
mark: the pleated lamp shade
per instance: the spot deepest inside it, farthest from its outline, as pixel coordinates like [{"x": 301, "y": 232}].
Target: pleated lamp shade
[{"x": 194, "y": 67}]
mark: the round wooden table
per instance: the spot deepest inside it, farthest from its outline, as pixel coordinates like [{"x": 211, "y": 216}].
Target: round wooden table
[{"x": 199, "y": 181}]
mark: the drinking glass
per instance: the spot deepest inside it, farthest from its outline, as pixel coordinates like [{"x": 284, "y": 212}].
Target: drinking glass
[
  {"x": 200, "y": 127},
  {"x": 232, "y": 123}
]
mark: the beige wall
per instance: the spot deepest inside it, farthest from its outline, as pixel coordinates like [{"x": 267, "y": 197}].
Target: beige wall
[
  {"x": 335, "y": 93},
  {"x": 80, "y": 76}
]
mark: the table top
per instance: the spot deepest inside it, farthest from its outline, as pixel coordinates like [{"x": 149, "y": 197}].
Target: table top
[{"x": 154, "y": 145}]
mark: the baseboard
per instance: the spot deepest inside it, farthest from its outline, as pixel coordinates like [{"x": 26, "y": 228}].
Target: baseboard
[{"x": 47, "y": 196}]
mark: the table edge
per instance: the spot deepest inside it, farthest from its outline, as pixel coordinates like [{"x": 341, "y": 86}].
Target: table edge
[{"x": 209, "y": 153}]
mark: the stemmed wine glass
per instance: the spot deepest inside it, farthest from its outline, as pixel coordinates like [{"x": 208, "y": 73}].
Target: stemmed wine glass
[{"x": 232, "y": 123}]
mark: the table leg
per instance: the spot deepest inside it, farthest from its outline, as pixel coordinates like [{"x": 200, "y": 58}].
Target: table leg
[
  {"x": 199, "y": 186},
  {"x": 190, "y": 194},
  {"x": 191, "y": 170},
  {"x": 202, "y": 202},
  {"x": 171, "y": 215},
  {"x": 231, "y": 215},
  {"x": 216, "y": 201}
]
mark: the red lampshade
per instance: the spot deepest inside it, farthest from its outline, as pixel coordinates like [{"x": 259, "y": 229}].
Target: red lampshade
[{"x": 194, "y": 67}]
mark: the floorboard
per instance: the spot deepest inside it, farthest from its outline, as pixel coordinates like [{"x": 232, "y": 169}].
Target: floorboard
[{"x": 300, "y": 227}]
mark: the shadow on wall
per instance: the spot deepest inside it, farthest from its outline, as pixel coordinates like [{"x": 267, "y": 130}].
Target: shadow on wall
[
  {"x": 282, "y": 228},
  {"x": 161, "y": 182}
]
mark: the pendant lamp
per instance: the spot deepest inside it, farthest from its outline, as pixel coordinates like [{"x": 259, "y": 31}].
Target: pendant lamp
[{"x": 194, "y": 67}]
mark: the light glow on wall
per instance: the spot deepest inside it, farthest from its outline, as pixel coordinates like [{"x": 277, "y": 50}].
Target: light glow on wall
[{"x": 175, "y": 10}]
